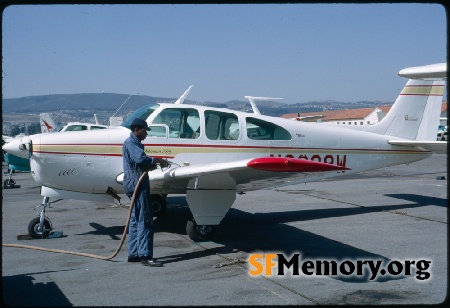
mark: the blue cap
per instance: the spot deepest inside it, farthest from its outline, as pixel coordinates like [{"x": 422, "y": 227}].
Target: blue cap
[{"x": 140, "y": 123}]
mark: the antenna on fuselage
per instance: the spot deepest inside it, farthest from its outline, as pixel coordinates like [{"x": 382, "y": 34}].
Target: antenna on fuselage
[
  {"x": 252, "y": 99},
  {"x": 129, "y": 97},
  {"x": 183, "y": 96}
]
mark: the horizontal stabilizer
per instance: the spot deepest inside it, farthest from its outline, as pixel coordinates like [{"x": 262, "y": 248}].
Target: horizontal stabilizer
[
  {"x": 426, "y": 72},
  {"x": 438, "y": 147},
  {"x": 286, "y": 164}
]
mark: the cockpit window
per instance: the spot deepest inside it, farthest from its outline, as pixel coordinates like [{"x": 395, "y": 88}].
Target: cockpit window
[
  {"x": 75, "y": 128},
  {"x": 182, "y": 122},
  {"x": 142, "y": 113},
  {"x": 221, "y": 125},
  {"x": 261, "y": 130}
]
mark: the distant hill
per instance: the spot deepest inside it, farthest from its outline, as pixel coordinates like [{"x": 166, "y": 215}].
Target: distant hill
[
  {"x": 110, "y": 102},
  {"x": 87, "y": 101}
]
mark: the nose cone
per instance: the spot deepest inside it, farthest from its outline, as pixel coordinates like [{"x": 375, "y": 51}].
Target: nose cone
[{"x": 18, "y": 147}]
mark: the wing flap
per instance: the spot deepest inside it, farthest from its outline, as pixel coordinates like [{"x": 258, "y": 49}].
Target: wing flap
[{"x": 438, "y": 147}]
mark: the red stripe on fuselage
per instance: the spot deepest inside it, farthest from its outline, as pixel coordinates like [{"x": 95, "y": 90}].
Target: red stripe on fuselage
[{"x": 219, "y": 146}]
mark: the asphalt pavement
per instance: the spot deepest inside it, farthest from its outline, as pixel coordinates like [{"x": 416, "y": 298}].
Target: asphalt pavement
[{"x": 395, "y": 215}]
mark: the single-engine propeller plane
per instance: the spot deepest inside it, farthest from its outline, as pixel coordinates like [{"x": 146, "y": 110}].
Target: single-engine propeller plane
[{"x": 216, "y": 153}]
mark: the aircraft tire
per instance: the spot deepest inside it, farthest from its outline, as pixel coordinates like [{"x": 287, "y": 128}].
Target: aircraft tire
[
  {"x": 35, "y": 232},
  {"x": 9, "y": 183},
  {"x": 159, "y": 205},
  {"x": 200, "y": 233}
]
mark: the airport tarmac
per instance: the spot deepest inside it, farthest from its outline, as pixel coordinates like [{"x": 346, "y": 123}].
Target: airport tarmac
[{"x": 395, "y": 214}]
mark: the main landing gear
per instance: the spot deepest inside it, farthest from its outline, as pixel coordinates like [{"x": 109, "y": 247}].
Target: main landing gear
[
  {"x": 41, "y": 226},
  {"x": 159, "y": 205},
  {"x": 200, "y": 233},
  {"x": 208, "y": 217}
]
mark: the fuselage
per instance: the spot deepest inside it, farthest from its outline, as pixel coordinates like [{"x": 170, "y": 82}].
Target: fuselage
[{"x": 187, "y": 135}]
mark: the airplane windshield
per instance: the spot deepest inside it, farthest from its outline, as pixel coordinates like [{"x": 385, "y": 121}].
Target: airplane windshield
[{"x": 142, "y": 113}]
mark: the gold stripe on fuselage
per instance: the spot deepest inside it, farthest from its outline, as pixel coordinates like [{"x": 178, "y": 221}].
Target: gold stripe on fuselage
[{"x": 116, "y": 150}]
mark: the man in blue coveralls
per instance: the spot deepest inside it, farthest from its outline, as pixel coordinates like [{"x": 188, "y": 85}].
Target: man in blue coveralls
[{"x": 135, "y": 163}]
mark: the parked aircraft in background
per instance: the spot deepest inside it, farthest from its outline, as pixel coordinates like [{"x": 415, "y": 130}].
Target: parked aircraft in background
[
  {"x": 47, "y": 123},
  {"x": 216, "y": 153},
  {"x": 78, "y": 126},
  {"x": 307, "y": 118}
]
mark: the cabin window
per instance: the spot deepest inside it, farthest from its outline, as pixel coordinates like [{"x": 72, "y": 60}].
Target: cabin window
[
  {"x": 97, "y": 127},
  {"x": 261, "y": 130},
  {"x": 157, "y": 130},
  {"x": 182, "y": 122},
  {"x": 221, "y": 125}
]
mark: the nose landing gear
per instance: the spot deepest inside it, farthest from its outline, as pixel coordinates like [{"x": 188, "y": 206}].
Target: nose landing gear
[
  {"x": 9, "y": 182},
  {"x": 40, "y": 227}
]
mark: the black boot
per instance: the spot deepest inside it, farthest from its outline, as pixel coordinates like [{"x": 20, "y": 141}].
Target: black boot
[{"x": 134, "y": 259}]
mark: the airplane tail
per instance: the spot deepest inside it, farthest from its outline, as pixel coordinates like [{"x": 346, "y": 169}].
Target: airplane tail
[
  {"x": 416, "y": 113},
  {"x": 47, "y": 123}
]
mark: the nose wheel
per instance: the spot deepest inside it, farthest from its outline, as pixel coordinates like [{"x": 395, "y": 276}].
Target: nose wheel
[
  {"x": 200, "y": 233},
  {"x": 40, "y": 227},
  {"x": 37, "y": 230},
  {"x": 9, "y": 183}
]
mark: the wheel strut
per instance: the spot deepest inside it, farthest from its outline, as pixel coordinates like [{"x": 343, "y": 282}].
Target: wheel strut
[{"x": 41, "y": 226}]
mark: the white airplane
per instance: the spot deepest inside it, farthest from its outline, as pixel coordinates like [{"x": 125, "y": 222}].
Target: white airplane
[
  {"x": 81, "y": 126},
  {"x": 307, "y": 118},
  {"x": 211, "y": 163}
]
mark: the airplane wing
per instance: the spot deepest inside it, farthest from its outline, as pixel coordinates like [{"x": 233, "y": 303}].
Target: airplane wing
[
  {"x": 438, "y": 147},
  {"x": 247, "y": 174}
]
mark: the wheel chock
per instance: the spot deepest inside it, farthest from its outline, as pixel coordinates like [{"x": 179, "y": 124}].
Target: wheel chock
[
  {"x": 24, "y": 236},
  {"x": 11, "y": 187},
  {"x": 55, "y": 234}
]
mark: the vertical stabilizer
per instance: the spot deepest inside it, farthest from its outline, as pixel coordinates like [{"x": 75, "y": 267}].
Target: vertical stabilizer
[
  {"x": 47, "y": 123},
  {"x": 416, "y": 112}
]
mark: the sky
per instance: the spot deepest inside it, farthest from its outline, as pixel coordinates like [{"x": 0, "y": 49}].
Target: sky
[{"x": 298, "y": 52}]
